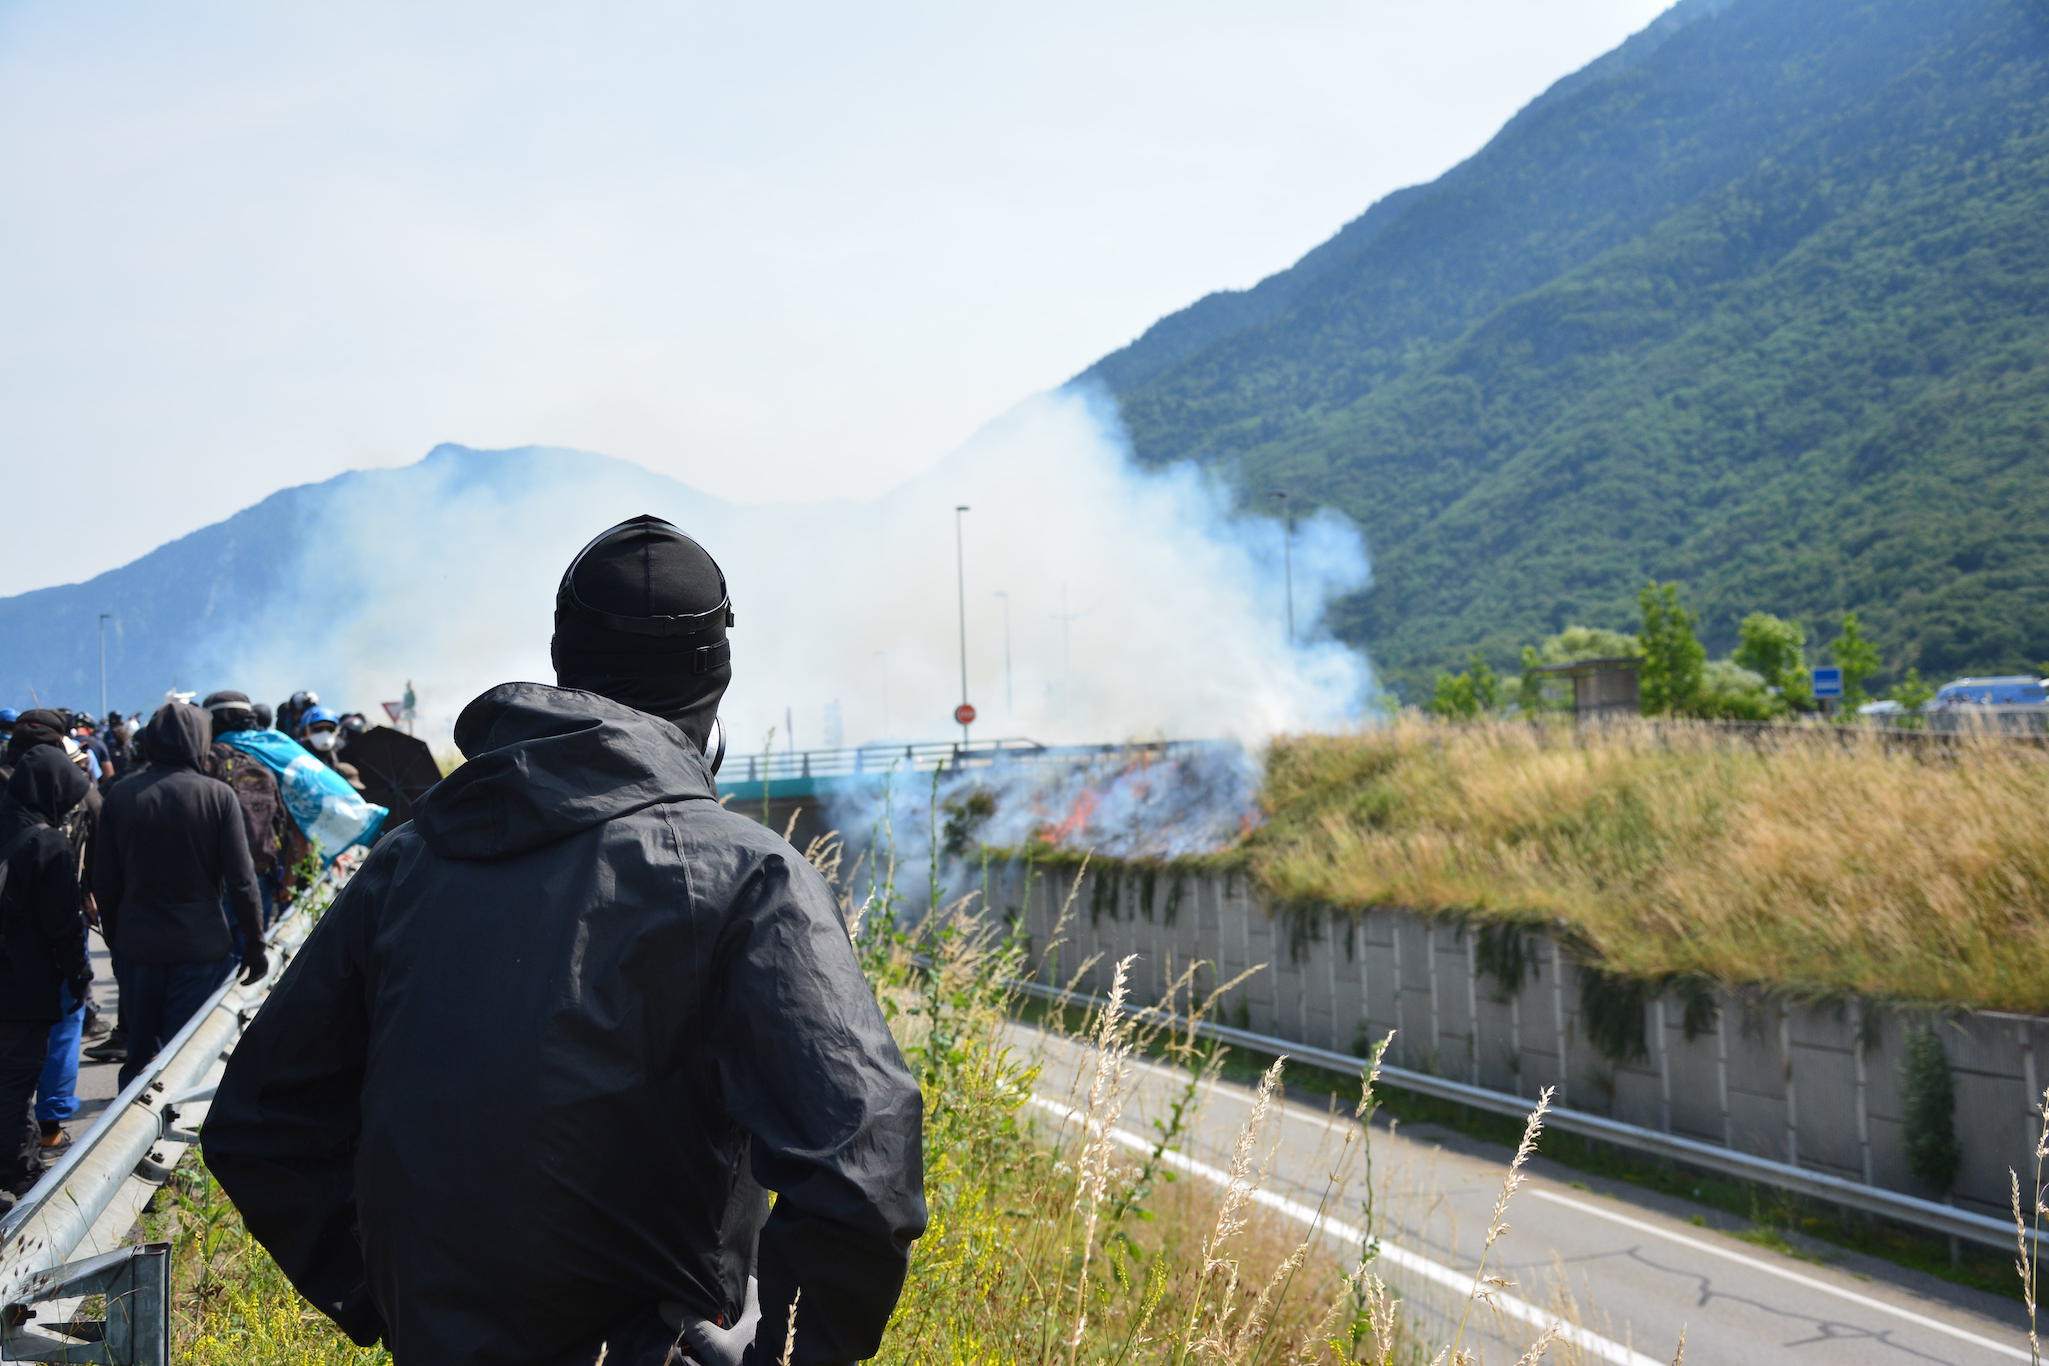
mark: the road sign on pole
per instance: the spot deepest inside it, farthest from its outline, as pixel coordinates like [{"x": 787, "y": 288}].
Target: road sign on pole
[
  {"x": 1827, "y": 683},
  {"x": 964, "y": 715}
]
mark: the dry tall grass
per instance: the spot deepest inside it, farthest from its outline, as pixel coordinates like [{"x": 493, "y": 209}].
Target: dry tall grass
[{"x": 1814, "y": 859}]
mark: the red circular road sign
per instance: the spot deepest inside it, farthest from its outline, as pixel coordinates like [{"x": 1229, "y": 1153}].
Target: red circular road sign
[{"x": 964, "y": 715}]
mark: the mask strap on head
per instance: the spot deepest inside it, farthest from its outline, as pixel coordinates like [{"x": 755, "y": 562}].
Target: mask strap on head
[
  {"x": 715, "y": 745},
  {"x": 707, "y": 658}
]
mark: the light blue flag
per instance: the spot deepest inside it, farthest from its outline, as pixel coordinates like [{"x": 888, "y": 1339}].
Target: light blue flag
[{"x": 327, "y": 810}]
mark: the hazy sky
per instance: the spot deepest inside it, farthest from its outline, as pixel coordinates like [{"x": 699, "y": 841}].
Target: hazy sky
[{"x": 777, "y": 250}]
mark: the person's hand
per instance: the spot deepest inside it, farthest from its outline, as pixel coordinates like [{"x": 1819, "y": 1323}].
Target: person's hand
[
  {"x": 92, "y": 911},
  {"x": 81, "y": 988},
  {"x": 254, "y": 964},
  {"x": 716, "y": 1346}
]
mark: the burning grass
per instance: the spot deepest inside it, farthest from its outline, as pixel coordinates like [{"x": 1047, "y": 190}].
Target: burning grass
[{"x": 1812, "y": 859}]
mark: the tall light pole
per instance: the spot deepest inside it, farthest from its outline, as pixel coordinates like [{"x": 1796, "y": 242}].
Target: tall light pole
[
  {"x": 1287, "y": 556},
  {"x": 105, "y": 617},
  {"x": 960, "y": 568},
  {"x": 1009, "y": 700}
]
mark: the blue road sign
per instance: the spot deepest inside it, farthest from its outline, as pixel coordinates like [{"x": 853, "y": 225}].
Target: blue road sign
[{"x": 1828, "y": 683}]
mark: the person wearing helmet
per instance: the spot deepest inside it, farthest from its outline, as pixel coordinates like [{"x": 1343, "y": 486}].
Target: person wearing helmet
[
  {"x": 291, "y": 713},
  {"x": 320, "y": 731},
  {"x": 660, "y": 1019},
  {"x": 8, "y": 716},
  {"x": 85, "y": 729}
]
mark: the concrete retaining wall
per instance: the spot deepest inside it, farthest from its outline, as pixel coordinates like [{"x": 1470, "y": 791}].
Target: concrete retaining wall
[{"x": 1814, "y": 1084}]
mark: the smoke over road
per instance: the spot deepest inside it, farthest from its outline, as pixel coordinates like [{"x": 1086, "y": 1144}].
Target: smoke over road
[{"x": 1139, "y": 605}]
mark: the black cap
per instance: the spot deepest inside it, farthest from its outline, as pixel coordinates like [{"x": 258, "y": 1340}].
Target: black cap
[{"x": 641, "y": 617}]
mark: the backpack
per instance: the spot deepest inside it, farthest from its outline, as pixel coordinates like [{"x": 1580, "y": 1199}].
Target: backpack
[{"x": 263, "y": 810}]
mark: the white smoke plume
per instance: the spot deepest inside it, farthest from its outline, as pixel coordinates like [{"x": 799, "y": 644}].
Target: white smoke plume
[{"x": 1139, "y": 604}]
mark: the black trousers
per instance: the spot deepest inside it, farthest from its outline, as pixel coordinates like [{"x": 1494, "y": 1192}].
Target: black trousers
[{"x": 22, "y": 1046}]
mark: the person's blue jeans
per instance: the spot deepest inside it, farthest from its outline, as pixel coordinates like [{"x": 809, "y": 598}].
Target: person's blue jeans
[
  {"x": 57, "y": 1089},
  {"x": 161, "y": 998}
]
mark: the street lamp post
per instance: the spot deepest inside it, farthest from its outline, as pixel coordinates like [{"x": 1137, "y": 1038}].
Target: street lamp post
[
  {"x": 1287, "y": 556},
  {"x": 960, "y": 567},
  {"x": 105, "y": 617},
  {"x": 1009, "y": 699}
]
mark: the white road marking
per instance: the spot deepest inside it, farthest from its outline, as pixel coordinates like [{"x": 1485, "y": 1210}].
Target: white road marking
[
  {"x": 1786, "y": 1273},
  {"x": 1709, "y": 1245},
  {"x": 1462, "y": 1282}
]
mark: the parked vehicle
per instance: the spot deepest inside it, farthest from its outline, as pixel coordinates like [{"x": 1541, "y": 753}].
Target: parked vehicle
[{"x": 2011, "y": 690}]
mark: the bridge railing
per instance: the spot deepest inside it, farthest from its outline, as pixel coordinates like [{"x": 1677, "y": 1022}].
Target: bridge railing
[{"x": 919, "y": 757}]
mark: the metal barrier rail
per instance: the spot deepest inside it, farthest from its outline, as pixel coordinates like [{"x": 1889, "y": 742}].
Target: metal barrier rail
[
  {"x": 922, "y": 756},
  {"x": 1928, "y": 1215},
  {"x": 107, "y": 1175}
]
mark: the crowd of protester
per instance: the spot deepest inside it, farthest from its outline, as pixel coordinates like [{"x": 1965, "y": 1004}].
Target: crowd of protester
[{"x": 170, "y": 842}]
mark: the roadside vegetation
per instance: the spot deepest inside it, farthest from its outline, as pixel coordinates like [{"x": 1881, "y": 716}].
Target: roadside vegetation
[{"x": 1810, "y": 858}]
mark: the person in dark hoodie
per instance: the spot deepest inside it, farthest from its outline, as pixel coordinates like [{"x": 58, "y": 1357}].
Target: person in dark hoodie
[
  {"x": 658, "y": 1018},
  {"x": 172, "y": 851},
  {"x": 42, "y": 945}
]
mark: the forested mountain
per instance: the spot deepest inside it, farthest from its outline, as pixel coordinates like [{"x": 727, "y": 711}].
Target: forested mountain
[{"x": 1758, "y": 302}]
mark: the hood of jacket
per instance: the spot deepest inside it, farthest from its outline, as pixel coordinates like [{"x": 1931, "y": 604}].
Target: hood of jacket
[
  {"x": 178, "y": 736},
  {"x": 48, "y": 783},
  {"x": 545, "y": 763}
]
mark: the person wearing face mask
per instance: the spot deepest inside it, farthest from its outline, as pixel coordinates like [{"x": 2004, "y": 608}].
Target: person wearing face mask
[
  {"x": 320, "y": 731},
  {"x": 660, "y": 1019}
]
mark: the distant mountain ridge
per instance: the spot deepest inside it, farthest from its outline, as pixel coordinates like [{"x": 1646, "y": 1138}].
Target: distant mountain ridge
[
  {"x": 180, "y": 612},
  {"x": 1759, "y": 301}
]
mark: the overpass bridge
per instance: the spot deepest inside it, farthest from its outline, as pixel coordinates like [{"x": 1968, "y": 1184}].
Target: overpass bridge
[{"x": 774, "y": 786}]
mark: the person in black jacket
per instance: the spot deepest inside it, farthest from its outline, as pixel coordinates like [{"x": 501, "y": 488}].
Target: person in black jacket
[
  {"x": 42, "y": 944},
  {"x": 172, "y": 851},
  {"x": 519, "y": 1098}
]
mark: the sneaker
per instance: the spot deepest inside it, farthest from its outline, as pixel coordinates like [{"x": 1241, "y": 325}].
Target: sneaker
[
  {"x": 113, "y": 1048},
  {"x": 53, "y": 1143},
  {"x": 96, "y": 1028}
]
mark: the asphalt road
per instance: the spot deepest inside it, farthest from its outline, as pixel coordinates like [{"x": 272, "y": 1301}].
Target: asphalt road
[{"x": 1628, "y": 1270}]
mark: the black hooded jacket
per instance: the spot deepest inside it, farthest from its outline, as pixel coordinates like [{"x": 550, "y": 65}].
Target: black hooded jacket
[
  {"x": 530, "y": 1074},
  {"x": 42, "y": 934},
  {"x": 170, "y": 840}
]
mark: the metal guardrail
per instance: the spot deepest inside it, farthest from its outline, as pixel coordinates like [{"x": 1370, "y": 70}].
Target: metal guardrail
[
  {"x": 130, "y": 1142},
  {"x": 920, "y": 756},
  {"x": 1928, "y": 1215}
]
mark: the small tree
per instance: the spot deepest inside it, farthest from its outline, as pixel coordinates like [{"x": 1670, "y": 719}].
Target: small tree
[
  {"x": 1529, "y": 689},
  {"x": 1928, "y": 1098},
  {"x": 1575, "y": 643},
  {"x": 1451, "y": 697},
  {"x": 1673, "y": 657},
  {"x": 1857, "y": 658},
  {"x": 1911, "y": 693},
  {"x": 1774, "y": 649},
  {"x": 1473, "y": 692},
  {"x": 1486, "y": 687}
]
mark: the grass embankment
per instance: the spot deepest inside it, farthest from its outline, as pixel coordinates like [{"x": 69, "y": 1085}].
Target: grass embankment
[
  {"x": 1045, "y": 1246},
  {"x": 1810, "y": 859}
]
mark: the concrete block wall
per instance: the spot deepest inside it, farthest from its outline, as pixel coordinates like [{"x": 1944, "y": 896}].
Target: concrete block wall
[{"x": 1817, "y": 1084}]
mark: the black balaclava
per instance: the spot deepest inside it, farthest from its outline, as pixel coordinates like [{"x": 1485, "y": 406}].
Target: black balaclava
[
  {"x": 231, "y": 711},
  {"x": 43, "y": 726},
  {"x": 641, "y": 618},
  {"x": 48, "y": 783},
  {"x": 177, "y": 736}
]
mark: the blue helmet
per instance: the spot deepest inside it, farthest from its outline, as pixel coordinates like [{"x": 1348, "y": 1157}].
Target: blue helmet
[
  {"x": 8, "y": 716},
  {"x": 315, "y": 715}
]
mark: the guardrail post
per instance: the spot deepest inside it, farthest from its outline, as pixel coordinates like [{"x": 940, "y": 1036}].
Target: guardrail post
[{"x": 136, "y": 1283}]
